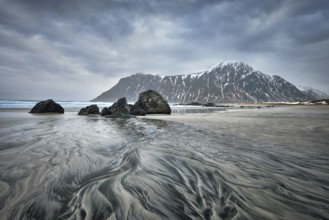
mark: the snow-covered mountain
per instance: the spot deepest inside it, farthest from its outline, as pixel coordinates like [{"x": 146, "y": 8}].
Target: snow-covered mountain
[{"x": 225, "y": 82}]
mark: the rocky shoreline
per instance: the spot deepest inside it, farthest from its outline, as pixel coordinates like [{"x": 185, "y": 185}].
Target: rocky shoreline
[{"x": 149, "y": 102}]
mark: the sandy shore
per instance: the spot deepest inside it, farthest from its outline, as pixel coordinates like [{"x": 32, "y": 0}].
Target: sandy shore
[
  {"x": 283, "y": 123},
  {"x": 235, "y": 110},
  {"x": 190, "y": 165}
]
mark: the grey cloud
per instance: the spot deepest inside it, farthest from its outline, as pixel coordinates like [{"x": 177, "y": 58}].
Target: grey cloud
[{"x": 109, "y": 39}]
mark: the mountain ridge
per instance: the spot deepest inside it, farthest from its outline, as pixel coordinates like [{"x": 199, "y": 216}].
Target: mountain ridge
[{"x": 229, "y": 81}]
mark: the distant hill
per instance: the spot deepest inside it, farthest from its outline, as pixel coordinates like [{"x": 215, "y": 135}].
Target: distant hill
[{"x": 225, "y": 82}]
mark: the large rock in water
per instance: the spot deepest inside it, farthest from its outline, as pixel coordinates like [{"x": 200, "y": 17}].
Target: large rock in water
[
  {"x": 47, "y": 106},
  {"x": 91, "y": 109},
  {"x": 153, "y": 103},
  {"x": 119, "y": 109}
]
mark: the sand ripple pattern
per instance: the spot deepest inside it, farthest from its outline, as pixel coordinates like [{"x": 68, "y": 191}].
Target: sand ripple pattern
[{"x": 98, "y": 168}]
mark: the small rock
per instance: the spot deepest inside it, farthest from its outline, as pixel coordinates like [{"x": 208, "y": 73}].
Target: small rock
[
  {"x": 106, "y": 111},
  {"x": 194, "y": 104},
  {"x": 91, "y": 109},
  {"x": 209, "y": 104}
]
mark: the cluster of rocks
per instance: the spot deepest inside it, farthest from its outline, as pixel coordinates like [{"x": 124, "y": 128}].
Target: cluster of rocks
[
  {"x": 121, "y": 109},
  {"x": 149, "y": 102}
]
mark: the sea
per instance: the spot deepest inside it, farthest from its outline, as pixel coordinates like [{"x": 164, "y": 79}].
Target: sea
[
  {"x": 73, "y": 106},
  {"x": 229, "y": 163},
  {"x": 28, "y": 104}
]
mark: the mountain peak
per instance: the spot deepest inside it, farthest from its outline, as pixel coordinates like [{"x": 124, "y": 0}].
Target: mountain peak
[
  {"x": 229, "y": 63},
  {"x": 236, "y": 64}
]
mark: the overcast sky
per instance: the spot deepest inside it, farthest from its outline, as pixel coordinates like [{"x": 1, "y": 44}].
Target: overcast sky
[{"x": 76, "y": 49}]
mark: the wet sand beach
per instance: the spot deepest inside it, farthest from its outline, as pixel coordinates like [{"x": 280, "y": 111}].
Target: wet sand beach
[{"x": 267, "y": 163}]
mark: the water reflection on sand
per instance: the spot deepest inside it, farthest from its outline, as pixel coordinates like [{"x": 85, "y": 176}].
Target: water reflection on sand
[{"x": 243, "y": 164}]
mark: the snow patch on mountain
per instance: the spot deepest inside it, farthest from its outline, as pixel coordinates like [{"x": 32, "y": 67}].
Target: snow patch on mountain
[{"x": 317, "y": 94}]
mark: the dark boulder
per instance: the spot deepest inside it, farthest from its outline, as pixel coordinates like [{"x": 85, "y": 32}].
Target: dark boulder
[
  {"x": 136, "y": 110},
  {"x": 153, "y": 103},
  {"x": 47, "y": 106},
  {"x": 91, "y": 109}
]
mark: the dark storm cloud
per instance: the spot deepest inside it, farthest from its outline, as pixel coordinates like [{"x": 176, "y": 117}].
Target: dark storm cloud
[{"x": 91, "y": 44}]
